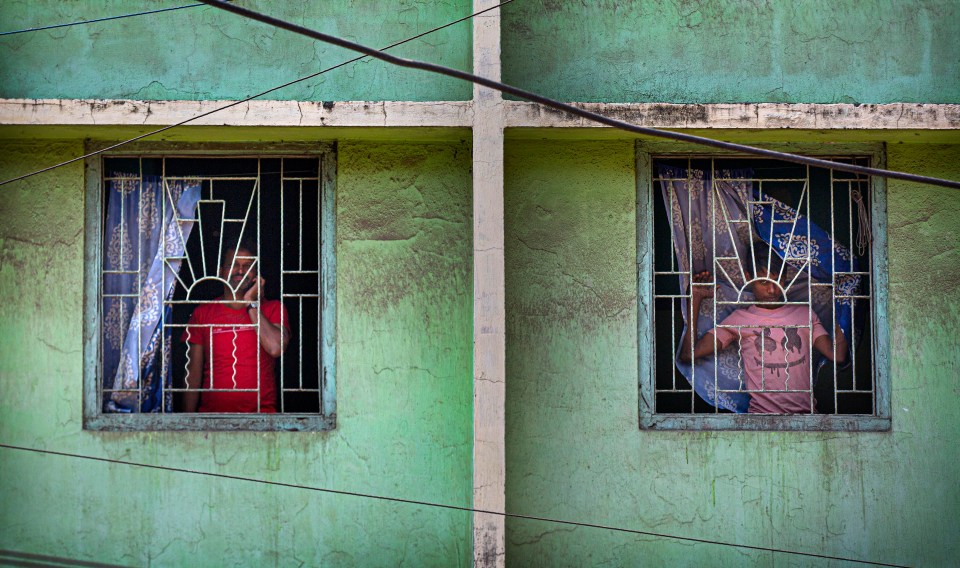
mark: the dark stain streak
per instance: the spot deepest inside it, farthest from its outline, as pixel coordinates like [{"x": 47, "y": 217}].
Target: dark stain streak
[
  {"x": 550, "y": 111},
  {"x": 679, "y": 113}
]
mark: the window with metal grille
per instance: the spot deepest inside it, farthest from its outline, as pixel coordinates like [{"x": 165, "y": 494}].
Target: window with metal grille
[
  {"x": 761, "y": 295},
  {"x": 211, "y": 291}
]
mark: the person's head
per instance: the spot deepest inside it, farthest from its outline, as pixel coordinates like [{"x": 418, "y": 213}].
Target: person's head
[
  {"x": 766, "y": 283},
  {"x": 236, "y": 266}
]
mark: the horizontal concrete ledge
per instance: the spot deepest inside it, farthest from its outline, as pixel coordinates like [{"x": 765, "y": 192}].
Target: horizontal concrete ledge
[
  {"x": 744, "y": 115},
  {"x": 61, "y": 112},
  {"x": 459, "y": 114}
]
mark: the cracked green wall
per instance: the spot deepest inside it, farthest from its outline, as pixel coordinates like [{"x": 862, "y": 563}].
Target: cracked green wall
[
  {"x": 690, "y": 51},
  {"x": 574, "y": 447},
  {"x": 204, "y": 53},
  {"x": 404, "y": 391}
]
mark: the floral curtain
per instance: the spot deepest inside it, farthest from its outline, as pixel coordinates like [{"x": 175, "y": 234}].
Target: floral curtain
[
  {"x": 799, "y": 237},
  {"x": 147, "y": 226},
  {"x": 712, "y": 229}
]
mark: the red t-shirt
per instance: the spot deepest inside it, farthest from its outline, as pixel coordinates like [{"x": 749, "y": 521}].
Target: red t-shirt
[{"x": 231, "y": 344}]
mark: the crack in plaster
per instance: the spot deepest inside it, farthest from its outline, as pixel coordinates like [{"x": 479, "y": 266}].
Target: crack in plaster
[
  {"x": 410, "y": 368},
  {"x": 537, "y": 537},
  {"x": 483, "y": 377},
  {"x": 43, "y": 244},
  {"x": 55, "y": 348}
]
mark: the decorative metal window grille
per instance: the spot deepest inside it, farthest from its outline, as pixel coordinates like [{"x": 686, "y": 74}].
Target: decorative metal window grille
[
  {"x": 185, "y": 235},
  {"x": 726, "y": 225}
]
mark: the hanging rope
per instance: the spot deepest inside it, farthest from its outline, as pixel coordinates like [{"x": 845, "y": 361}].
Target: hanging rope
[{"x": 864, "y": 234}]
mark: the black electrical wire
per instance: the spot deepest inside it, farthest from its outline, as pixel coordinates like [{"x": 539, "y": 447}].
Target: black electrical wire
[
  {"x": 442, "y": 505},
  {"x": 32, "y": 560},
  {"x": 107, "y": 19},
  {"x": 533, "y": 97},
  {"x": 248, "y": 99}
]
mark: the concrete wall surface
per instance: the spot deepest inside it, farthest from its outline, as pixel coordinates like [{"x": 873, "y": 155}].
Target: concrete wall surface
[
  {"x": 574, "y": 447},
  {"x": 404, "y": 391},
  {"x": 848, "y": 51},
  {"x": 204, "y": 53},
  {"x": 688, "y": 51}
]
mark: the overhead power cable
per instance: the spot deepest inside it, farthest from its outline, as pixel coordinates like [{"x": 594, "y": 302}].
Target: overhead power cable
[
  {"x": 33, "y": 560},
  {"x": 106, "y": 19},
  {"x": 441, "y": 505},
  {"x": 534, "y": 97},
  {"x": 250, "y": 98}
]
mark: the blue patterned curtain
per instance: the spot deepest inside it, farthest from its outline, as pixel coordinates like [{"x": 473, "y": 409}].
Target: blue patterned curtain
[
  {"x": 829, "y": 260},
  {"x": 147, "y": 225},
  {"x": 693, "y": 209}
]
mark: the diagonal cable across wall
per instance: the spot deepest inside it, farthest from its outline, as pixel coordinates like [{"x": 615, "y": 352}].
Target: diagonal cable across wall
[
  {"x": 442, "y": 505},
  {"x": 499, "y": 86},
  {"x": 534, "y": 97},
  {"x": 98, "y": 20},
  {"x": 250, "y": 98}
]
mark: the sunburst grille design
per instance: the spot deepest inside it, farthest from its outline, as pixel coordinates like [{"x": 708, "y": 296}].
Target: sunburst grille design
[
  {"x": 218, "y": 225},
  {"x": 747, "y": 222}
]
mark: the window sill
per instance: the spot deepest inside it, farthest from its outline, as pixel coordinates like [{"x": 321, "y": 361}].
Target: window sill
[
  {"x": 776, "y": 423},
  {"x": 211, "y": 422}
]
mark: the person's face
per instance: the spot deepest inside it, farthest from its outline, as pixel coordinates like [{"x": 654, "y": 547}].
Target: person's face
[
  {"x": 241, "y": 276},
  {"x": 767, "y": 288}
]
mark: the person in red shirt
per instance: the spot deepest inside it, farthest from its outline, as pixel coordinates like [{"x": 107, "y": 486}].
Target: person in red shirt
[{"x": 234, "y": 341}]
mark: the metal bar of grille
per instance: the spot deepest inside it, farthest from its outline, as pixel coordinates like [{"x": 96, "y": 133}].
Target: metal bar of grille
[
  {"x": 853, "y": 302},
  {"x": 689, "y": 266},
  {"x": 868, "y": 197},
  {"x": 139, "y": 265},
  {"x": 163, "y": 286},
  {"x": 281, "y": 362},
  {"x": 214, "y": 178},
  {"x": 300, "y": 343},
  {"x": 714, "y": 196},
  {"x": 300, "y": 225},
  {"x": 805, "y": 202},
  {"x": 259, "y": 313},
  {"x": 320, "y": 264}
]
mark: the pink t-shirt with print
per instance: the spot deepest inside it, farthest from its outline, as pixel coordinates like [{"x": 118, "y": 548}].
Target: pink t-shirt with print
[{"x": 775, "y": 350}]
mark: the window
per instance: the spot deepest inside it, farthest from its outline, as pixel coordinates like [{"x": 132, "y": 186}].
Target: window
[
  {"x": 777, "y": 271},
  {"x": 211, "y": 289}
]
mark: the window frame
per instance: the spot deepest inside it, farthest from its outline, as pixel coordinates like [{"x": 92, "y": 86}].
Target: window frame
[
  {"x": 646, "y": 153},
  {"x": 93, "y": 416}
]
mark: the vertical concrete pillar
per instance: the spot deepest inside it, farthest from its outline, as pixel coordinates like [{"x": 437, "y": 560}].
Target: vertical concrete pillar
[{"x": 489, "y": 365}]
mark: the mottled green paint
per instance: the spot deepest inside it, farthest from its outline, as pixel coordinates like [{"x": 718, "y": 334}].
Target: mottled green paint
[
  {"x": 574, "y": 447},
  {"x": 204, "y": 53},
  {"x": 404, "y": 390},
  {"x": 689, "y": 51}
]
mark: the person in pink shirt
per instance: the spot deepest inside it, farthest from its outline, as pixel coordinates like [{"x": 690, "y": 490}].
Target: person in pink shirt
[{"x": 774, "y": 339}]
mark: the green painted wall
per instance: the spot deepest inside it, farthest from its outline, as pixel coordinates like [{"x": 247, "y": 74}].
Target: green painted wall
[
  {"x": 404, "y": 391},
  {"x": 689, "y": 51},
  {"x": 574, "y": 448},
  {"x": 204, "y": 53}
]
